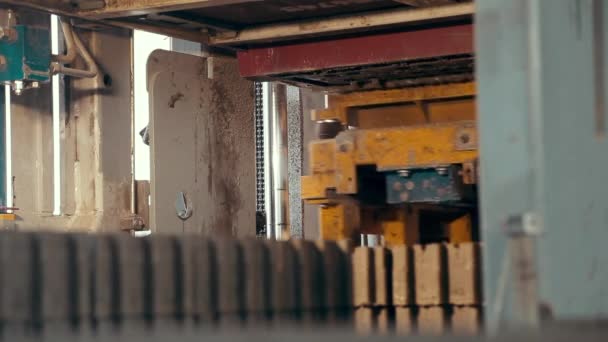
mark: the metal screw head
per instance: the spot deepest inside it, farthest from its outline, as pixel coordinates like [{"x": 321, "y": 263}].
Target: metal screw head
[
  {"x": 18, "y": 87},
  {"x": 465, "y": 138},
  {"x": 404, "y": 173},
  {"x": 525, "y": 224},
  {"x": 442, "y": 171}
]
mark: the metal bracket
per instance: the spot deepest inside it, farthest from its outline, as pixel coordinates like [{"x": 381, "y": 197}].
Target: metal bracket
[
  {"x": 526, "y": 224},
  {"x": 184, "y": 211},
  {"x": 466, "y": 138}
]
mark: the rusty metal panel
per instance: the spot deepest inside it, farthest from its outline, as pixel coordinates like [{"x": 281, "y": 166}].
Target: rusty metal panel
[{"x": 381, "y": 49}]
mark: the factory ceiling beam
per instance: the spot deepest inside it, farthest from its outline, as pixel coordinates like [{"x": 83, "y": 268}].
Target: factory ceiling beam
[
  {"x": 357, "y": 51},
  {"x": 60, "y": 7},
  {"x": 128, "y": 8},
  {"x": 151, "y": 15},
  {"x": 425, "y": 3},
  {"x": 110, "y": 9},
  {"x": 313, "y": 28}
]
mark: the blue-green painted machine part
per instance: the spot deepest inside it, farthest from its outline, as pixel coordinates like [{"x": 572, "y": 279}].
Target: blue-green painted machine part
[
  {"x": 28, "y": 58},
  {"x": 426, "y": 186},
  {"x": 3, "y": 199}
]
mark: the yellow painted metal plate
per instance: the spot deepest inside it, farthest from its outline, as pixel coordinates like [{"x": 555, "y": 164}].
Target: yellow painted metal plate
[
  {"x": 8, "y": 217},
  {"x": 402, "y": 148}
]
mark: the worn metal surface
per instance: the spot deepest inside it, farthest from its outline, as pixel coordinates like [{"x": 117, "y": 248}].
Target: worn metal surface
[
  {"x": 394, "y": 149},
  {"x": 233, "y": 12},
  {"x": 278, "y": 178},
  {"x": 342, "y": 106},
  {"x": 202, "y": 144},
  {"x": 252, "y": 13},
  {"x": 95, "y": 128},
  {"x": 423, "y": 72},
  {"x": 27, "y": 58},
  {"x": 531, "y": 144},
  {"x": 310, "y": 100},
  {"x": 306, "y": 58},
  {"x": 335, "y": 164},
  {"x": 295, "y": 152},
  {"x": 391, "y": 130},
  {"x": 339, "y": 26},
  {"x": 239, "y": 22}
]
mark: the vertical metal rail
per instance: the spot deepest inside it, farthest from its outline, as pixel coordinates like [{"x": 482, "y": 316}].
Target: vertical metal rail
[
  {"x": 295, "y": 161},
  {"x": 258, "y": 117},
  {"x": 3, "y": 180},
  {"x": 599, "y": 61},
  {"x": 279, "y": 169},
  {"x": 279, "y": 166},
  {"x": 268, "y": 118}
]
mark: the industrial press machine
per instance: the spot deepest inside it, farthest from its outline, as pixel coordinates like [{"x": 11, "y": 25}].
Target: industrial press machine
[{"x": 366, "y": 125}]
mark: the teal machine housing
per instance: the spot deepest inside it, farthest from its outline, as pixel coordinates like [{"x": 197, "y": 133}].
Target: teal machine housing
[
  {"x": 25, "y": 57},
  {"x": 28, "y": 57}
]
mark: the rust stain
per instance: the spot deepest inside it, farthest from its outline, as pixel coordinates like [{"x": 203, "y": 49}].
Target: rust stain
[
  {"x": 175, "y": 98},
  {"x": 224, "y": 158}
]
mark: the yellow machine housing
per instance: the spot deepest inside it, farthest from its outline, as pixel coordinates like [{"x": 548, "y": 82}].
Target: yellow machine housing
[{"x": 390, "y": 133}]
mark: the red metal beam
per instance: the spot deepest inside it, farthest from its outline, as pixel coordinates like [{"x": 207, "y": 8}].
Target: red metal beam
[{"x": 357, "y": 51}]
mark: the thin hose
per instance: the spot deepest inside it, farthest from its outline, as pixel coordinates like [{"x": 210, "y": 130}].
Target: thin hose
[{"x": 92, "y": 70}]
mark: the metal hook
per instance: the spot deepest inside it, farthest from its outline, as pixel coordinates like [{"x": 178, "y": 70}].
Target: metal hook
[{"x": 184, "y": 211}]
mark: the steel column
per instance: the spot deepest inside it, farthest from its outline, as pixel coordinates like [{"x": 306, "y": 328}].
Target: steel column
[
  {"x": 541, "y": 75},
  {"x": 295, "y": 152},
  {"x": 3, "y": 199}
]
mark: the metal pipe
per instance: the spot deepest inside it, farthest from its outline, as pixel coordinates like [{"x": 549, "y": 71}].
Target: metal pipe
[
  {"x": 268, "y": 110},
  {"x": 92, "y": 70},
  {"x": 71, "y": 53},
  {"x": 280, "y": 155},
  {"x": 134, "y": 193}
]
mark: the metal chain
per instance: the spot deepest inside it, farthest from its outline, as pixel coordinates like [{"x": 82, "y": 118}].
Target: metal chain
[
  {"x": 259, "y": 146},
  {"x": 259, "y": 160}
]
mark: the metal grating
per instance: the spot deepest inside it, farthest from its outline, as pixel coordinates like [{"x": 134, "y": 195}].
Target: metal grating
[
  {"x": 259, "y": 159},
  {"x": 428, "y": 71}
]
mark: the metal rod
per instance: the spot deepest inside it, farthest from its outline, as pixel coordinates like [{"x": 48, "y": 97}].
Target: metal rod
[
  {"x": 71, "y": 51},
  {"x": 134, "y": 193},
  {"x": 92, "y": 70},
  {"x": 279, "y": 155},
  {"x": 268, "y": 105}
]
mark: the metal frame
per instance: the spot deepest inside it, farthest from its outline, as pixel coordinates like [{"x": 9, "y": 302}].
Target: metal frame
[
  {"x": 3, "y": 199},
  {"x": 357, "y": 51},
  {"x": 541, "y": 75},
  {"x": 156, "y": 13}
]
